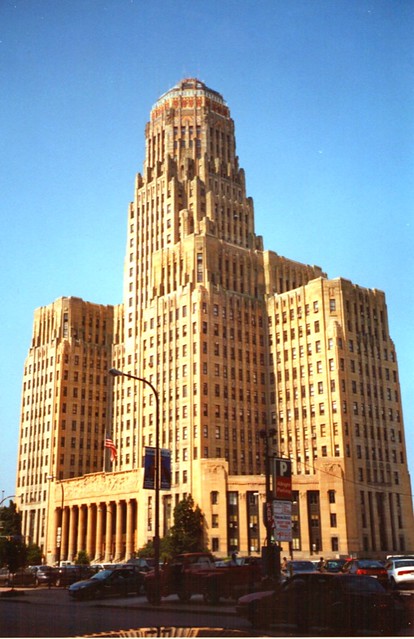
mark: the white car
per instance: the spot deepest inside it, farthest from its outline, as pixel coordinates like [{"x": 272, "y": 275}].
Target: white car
[{"x": 400, "y": 571}]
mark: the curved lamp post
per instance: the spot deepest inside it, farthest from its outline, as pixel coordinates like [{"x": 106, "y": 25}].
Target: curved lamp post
[
  {"x": 117, "y": 373},
  {"x": 267, "y": 434},
  {"x": 6, "y": 498}
]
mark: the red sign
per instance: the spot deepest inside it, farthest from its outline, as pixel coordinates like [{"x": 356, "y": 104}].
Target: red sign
[{"x": 282, "y": 478}]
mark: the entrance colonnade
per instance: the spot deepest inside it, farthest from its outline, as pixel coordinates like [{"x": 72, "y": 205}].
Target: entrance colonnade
[{"x": 106, "y": 530}]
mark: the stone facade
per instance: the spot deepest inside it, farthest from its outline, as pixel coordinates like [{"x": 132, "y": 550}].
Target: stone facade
[{"x": 236, "y": 340}]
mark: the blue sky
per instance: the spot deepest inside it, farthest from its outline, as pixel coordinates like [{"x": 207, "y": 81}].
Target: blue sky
[{"x": 321, "y": 92}]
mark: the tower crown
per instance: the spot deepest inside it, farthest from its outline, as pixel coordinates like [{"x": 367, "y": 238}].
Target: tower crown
[{"x": 190, "y": 93}]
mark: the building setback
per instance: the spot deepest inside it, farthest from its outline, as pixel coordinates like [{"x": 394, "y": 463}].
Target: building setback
[{"x": 235, "y": 339}]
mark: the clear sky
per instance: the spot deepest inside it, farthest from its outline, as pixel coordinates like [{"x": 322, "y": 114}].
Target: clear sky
[{"x": 321, "y": 92}]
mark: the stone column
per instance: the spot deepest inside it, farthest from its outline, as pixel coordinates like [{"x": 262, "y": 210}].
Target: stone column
[
  {"x": 99, "y": 532},
  {"x": 53, "y": 534},
  {"x": 64, "y": 534},
  {"x": 129, "y": 548},
  {"x": 90, "y": 531},
  {"x": 72, "y": 533},
  {"x": 81, "y": 528},
  {"x": 118, "y": 539},
  {"x": 108, "y": 533}
]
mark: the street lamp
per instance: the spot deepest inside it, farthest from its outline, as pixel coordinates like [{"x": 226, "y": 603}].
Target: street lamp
[
  {"x": 59, "y": 532},
  {"x": 117, "y": 373},
  {"x": 267, "y": 434},
  {"x": 6, "y": 498}
]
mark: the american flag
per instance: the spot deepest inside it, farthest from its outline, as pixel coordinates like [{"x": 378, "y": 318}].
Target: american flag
[{"x": 109, "y": 443}]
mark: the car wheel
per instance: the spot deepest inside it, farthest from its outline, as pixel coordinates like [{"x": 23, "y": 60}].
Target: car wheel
[
  {"x": 184, "y": 595},
  {"x": 151, "y": 598},
  {"x": 393, "y": 584},
  {"x": 259, "y": 621},
  {"x": 211, "y": 597},
  {"x": 302, "y": 623}
]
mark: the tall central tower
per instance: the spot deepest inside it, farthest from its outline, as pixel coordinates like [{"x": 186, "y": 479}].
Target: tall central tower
[{"x": 194, "y": 297}]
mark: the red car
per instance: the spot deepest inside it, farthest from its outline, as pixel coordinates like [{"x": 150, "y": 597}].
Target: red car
[
  {"x": 369, "y": 567},
  {"x": 337, "y": 602}
]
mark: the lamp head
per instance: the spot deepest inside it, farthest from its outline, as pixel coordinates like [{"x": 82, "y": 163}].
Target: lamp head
[{"x": 115, "y": 372}]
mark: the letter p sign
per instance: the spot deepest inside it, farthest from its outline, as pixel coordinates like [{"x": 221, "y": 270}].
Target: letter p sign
[{"x": 282, "y": 478}]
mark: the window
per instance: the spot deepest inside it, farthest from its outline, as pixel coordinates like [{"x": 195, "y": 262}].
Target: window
[
  {"x": 333, "y": 520},
  {"x": 331, "y": 496},
  {"x": 214, "y": 521},
  {"x": 214, "y": 496}
]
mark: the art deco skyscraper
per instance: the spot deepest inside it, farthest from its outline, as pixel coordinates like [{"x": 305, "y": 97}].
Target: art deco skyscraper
[{"x": 236, "y": 340}]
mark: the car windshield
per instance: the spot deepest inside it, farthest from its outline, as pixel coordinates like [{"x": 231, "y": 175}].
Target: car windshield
[
  {"x": 361, "y": 584},
  {"x": 370, "y": 564},
  {"x": 403, "y": 564},
  {"x": 302, "y": 565},
  {"x": 102, "y": 574}
]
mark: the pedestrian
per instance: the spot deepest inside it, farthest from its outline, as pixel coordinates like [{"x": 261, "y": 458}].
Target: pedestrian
[
  {"x": 321, "y": 564},
  {"x": 284, "y": 564},
  {"x": 233, "y": 561}
]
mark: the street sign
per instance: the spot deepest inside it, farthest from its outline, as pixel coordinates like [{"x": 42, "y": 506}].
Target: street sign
[
  {"x": 282, "y": 517},
  {"x": 282, "y": 478},
  {"x": 268, "y": 515}
]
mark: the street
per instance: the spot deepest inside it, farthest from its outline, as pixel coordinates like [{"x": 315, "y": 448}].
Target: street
[{"x": 39, "y": 612}]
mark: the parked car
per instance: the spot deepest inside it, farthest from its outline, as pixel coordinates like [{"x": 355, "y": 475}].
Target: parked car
[
  {"x": 368, "y": 567},
  {"x": 106, "y": 566},
  {"x": 67, "y": 575},
  {"x": 400, "y": 572},
  {"x": 295, "y": 567},
  {"x": 337, "y": 602},
  {"x": 22, "y": 577},
  {"x": 44, "y": 575},
  {"x": 335, "y": 565},
  {"x": 119, "y": 581},
  {"x": 145, "y": 564}
]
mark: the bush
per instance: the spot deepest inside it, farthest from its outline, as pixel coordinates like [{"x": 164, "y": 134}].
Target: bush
[{"x": 82, "y": 558}]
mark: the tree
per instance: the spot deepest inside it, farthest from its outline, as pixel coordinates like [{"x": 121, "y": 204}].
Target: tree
[
  {"x": 148, "y": 549},
  {"x": 34, "y": 555},
  {"x": 187, "y": 533},
  {"x": 10, "y": 520},
  {"x": 82, "y": 558}
]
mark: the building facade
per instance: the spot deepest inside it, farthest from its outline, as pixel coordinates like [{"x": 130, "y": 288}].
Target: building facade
[{"x": 236, "y": 340}]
